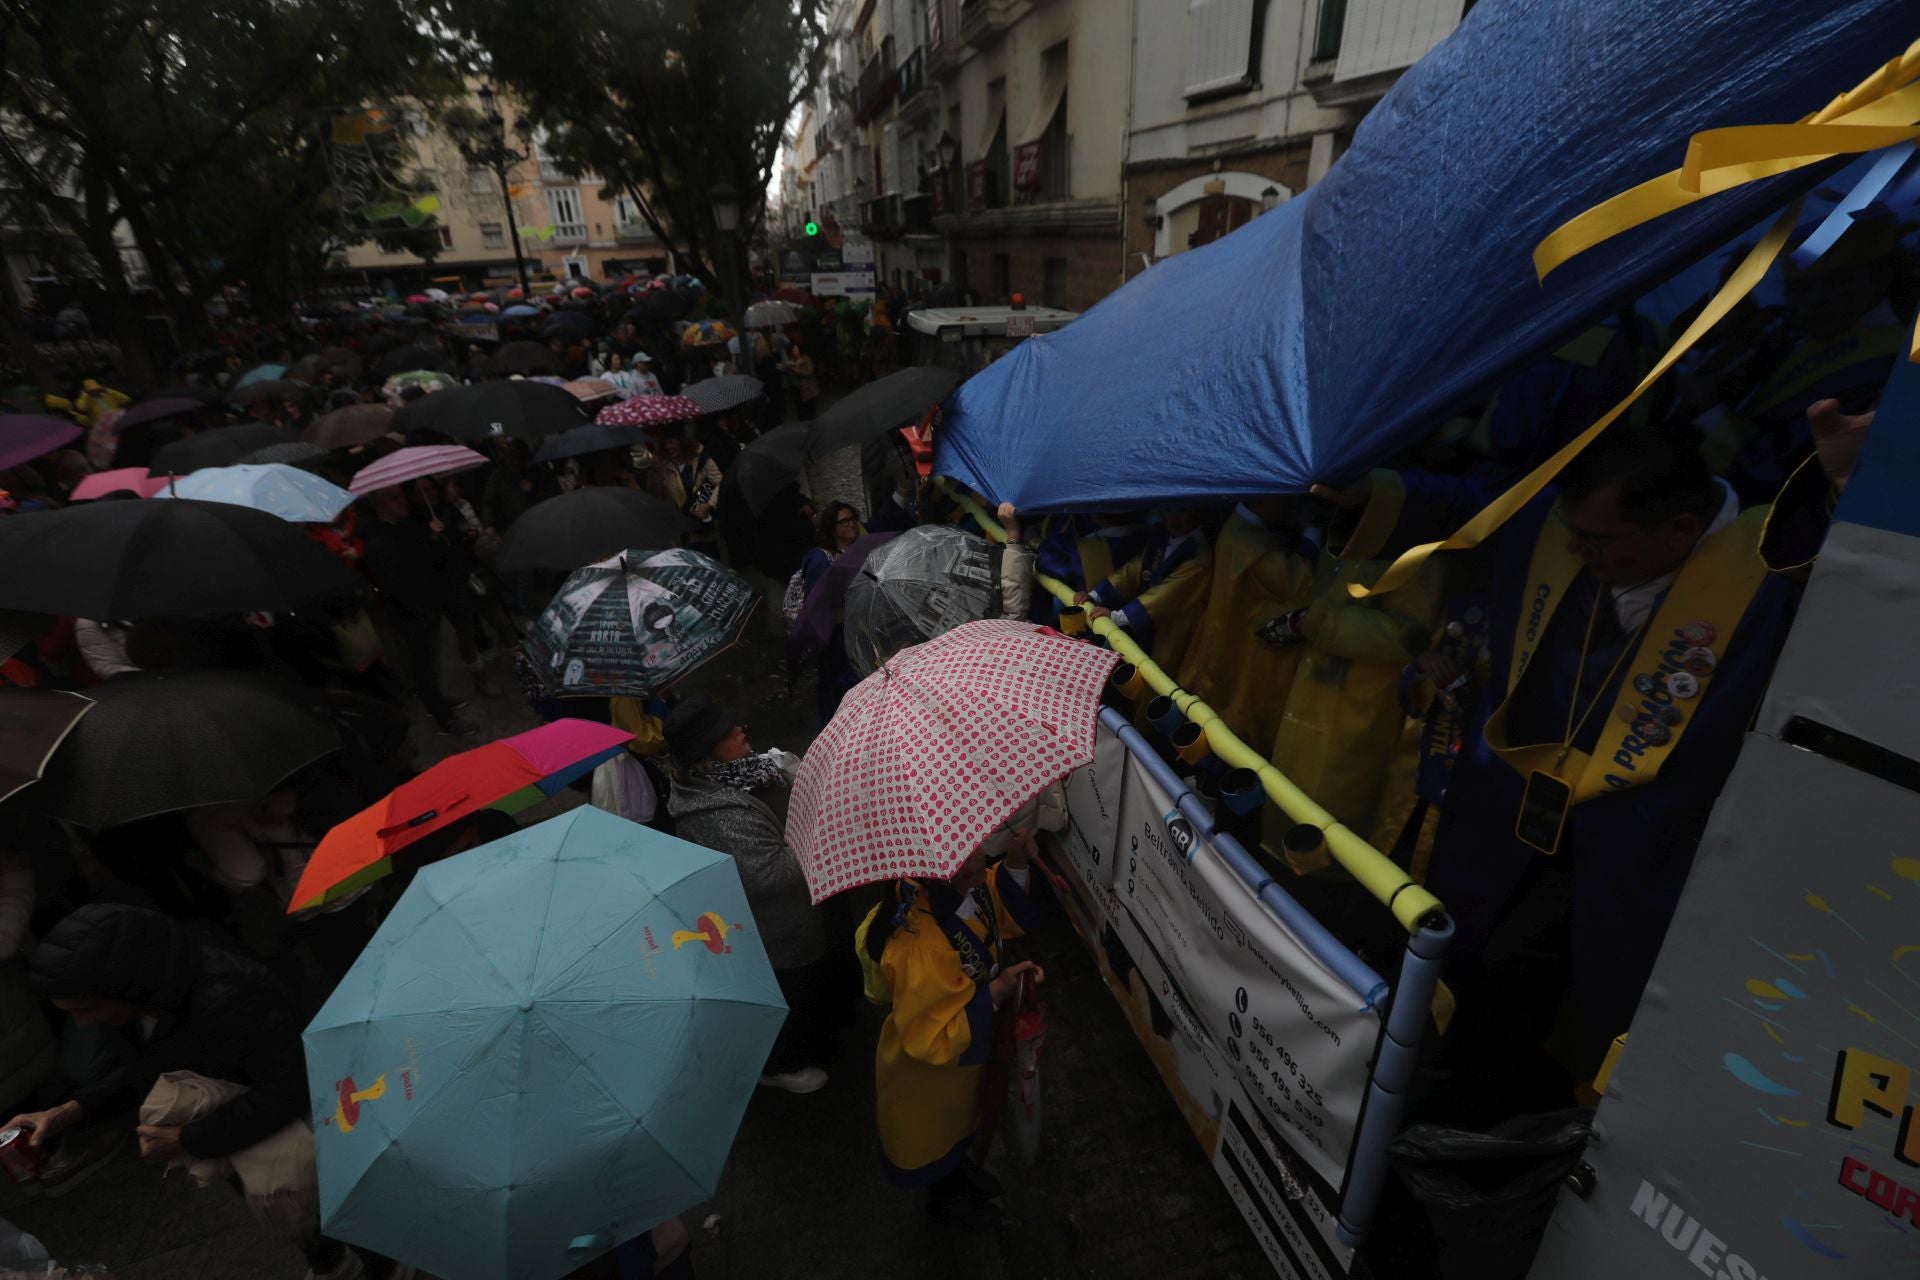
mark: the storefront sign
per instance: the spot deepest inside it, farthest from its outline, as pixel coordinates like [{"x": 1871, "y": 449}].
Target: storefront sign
[{"x": 843, "y": 284}]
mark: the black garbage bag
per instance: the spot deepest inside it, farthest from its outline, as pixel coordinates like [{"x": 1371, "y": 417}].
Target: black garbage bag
[{"x": 1487, "y": 1196}]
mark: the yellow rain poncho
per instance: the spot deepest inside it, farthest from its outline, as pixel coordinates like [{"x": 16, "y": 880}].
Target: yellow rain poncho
[
  {"x": 1343, "y": 713},
  {"x": 1255, "y": 577}
]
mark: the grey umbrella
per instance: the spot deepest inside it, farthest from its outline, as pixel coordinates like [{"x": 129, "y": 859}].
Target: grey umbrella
[{"x": 923, "y": 584}]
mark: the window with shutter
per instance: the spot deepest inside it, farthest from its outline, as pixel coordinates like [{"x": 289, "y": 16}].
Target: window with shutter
[{"x": 1219, "y": 45}]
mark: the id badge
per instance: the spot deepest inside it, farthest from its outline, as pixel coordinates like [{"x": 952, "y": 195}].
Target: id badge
[{"x": 1543, "y": 812}]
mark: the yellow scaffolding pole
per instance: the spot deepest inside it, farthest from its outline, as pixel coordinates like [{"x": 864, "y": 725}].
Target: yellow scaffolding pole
[{"x": 1409, "y": 902}]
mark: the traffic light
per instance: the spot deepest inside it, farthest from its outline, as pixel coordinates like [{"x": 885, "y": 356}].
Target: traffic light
[{"x": 812, "y": 229}]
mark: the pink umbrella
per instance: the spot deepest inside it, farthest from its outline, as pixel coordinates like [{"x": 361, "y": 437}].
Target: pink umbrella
[
  {"x": 649, "y": 411},
  {"x": 26, "y": 436},
  {"x": 403, "y": 465},
  {"x": 930, "y": 754},
  {"x": 134, "y": 480}
]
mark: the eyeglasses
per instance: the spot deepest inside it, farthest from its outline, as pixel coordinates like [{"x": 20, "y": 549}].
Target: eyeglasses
[{"x": 848, "y": 520}]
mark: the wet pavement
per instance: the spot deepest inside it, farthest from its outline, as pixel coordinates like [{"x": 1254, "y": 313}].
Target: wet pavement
[{"x": 1120, "y": 1188}]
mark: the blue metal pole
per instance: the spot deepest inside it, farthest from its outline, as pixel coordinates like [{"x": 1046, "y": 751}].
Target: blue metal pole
[{"x": 1392, "y": 1075}]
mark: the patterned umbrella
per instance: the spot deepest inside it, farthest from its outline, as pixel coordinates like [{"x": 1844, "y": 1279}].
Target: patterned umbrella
[
  {"x": 275, "y": 488},
  {"x": 636, "y": 623},
  {"x": 649, "y": 411},
  {"x": 509, "y": 775},
  {"x": 429, "y": 380},
  {"x": 707, "y": 333},
  {"x": 590, "y": 388},
  {"x": 926, "y": 758},
  {"x": 729, "y": 391},
  {"x": 26, "y": 436},
  {"x": 412, "y": 463},
  {"x": 923, "y": 584}
]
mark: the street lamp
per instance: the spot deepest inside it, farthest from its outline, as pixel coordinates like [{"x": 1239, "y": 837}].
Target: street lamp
[
  {"x": 1269, "y": 198},
  {"x": 485, "y": 145},
  {"x": 726, "y": 219}
]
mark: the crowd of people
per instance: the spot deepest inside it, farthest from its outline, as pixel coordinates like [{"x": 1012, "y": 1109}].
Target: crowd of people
[{"x": 1587, "y": 675}]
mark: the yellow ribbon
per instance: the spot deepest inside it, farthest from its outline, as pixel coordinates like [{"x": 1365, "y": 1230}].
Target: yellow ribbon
[
  {"x": 1878, "y": 112},
  {"x": 1377, "y": 873},
  {"x": 1501, "y": 509}
]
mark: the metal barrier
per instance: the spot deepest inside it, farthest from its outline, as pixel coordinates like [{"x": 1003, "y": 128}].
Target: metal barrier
[{"x": 1429, "y": 930}]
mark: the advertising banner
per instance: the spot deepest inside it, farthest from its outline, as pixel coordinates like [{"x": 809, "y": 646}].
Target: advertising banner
[
  {"x": 1762, "y": 1121},
  {"x": 1264, "y": 1050}
]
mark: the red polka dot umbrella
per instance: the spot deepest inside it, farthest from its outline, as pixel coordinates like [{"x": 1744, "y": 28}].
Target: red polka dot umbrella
[
  {"x": 930, "y": 754},
  {"x": 649, "y": 411}
]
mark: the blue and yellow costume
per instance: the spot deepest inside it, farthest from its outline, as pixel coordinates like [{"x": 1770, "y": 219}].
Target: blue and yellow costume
[
  {"x": 1158, "y": 595},
  {"x": 935, "y": 970},
  {"x": 1644, "y": 767}
]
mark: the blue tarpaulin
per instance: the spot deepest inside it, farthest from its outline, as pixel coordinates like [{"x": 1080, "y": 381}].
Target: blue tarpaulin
[{"x": 1348, "y": 322}]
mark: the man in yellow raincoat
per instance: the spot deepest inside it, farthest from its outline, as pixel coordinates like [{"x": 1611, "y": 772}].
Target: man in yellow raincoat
[
  {"x": 1261, "y": 568},
  {"x": 1159, "y": 594},
  {"x": 1343, "y": 713},
  {"x": 934, "y": 954}
]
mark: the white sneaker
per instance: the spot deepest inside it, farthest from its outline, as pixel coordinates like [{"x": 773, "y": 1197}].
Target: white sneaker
[{"x": 805, "y": 1080}]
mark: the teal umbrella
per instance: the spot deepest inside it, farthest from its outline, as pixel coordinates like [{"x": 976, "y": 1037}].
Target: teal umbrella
[
  {"x": 260, "y": 373},
  {"x": 544, "y": 1051}
]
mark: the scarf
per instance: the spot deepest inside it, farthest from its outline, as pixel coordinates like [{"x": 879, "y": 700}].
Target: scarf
[{"x": 748, "y": 773}]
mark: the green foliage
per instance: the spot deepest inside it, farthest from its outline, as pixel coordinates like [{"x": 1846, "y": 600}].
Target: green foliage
[
  {"x": 663, "y": 99},
  {"x": 203, "y": 124}
]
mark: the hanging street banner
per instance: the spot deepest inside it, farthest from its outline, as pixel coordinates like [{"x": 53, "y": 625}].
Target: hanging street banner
[
  {"x": 1764, "y": 1119},
  {"x": 1265, "y": 1050}
]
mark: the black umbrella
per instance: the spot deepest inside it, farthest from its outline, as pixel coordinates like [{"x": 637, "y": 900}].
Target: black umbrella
[
  {"x": 660, "y": 304},
  {"x": 173, "y": 558},
  {"x": 205, "y": 395},
  {"x": 894, "y": 401},
  {"x": 592, "y": 438},
  {"x": 765, "y": 467},
  {"x": 161, "y": 743},
  {"x": 569, "y": 323},
  {"x": 728, "y": 391},
  {"x": 344, "y": 428},
  {"x": 294, "y": 453},
  {"x": 158, "y": 411},
  {"x": 527, "y": 411},
  {"x": 18, "y": 630},
  {"x": 219, "y": 447},
  {"x": 33, "y": 723},
  {"x": 588, "y": 525},
  {"x": 274, "y": 389},
  {"x": 403, "y": 359},
  {"x": 524, "y": 357}
]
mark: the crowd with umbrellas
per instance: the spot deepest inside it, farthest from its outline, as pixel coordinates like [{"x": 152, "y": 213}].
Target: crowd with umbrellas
[{"x": 225, "y": 607}]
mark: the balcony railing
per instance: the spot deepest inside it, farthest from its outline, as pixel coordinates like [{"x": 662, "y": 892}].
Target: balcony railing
[
  {"x": 877, "y": 82},
  {"x": 945, "y": 45},
  {"x": 631, "y": 232},
  {"x": 982, "y": 22},
  {"x": 569, "y": 233},
  {"x": 913, "y": 83}
]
